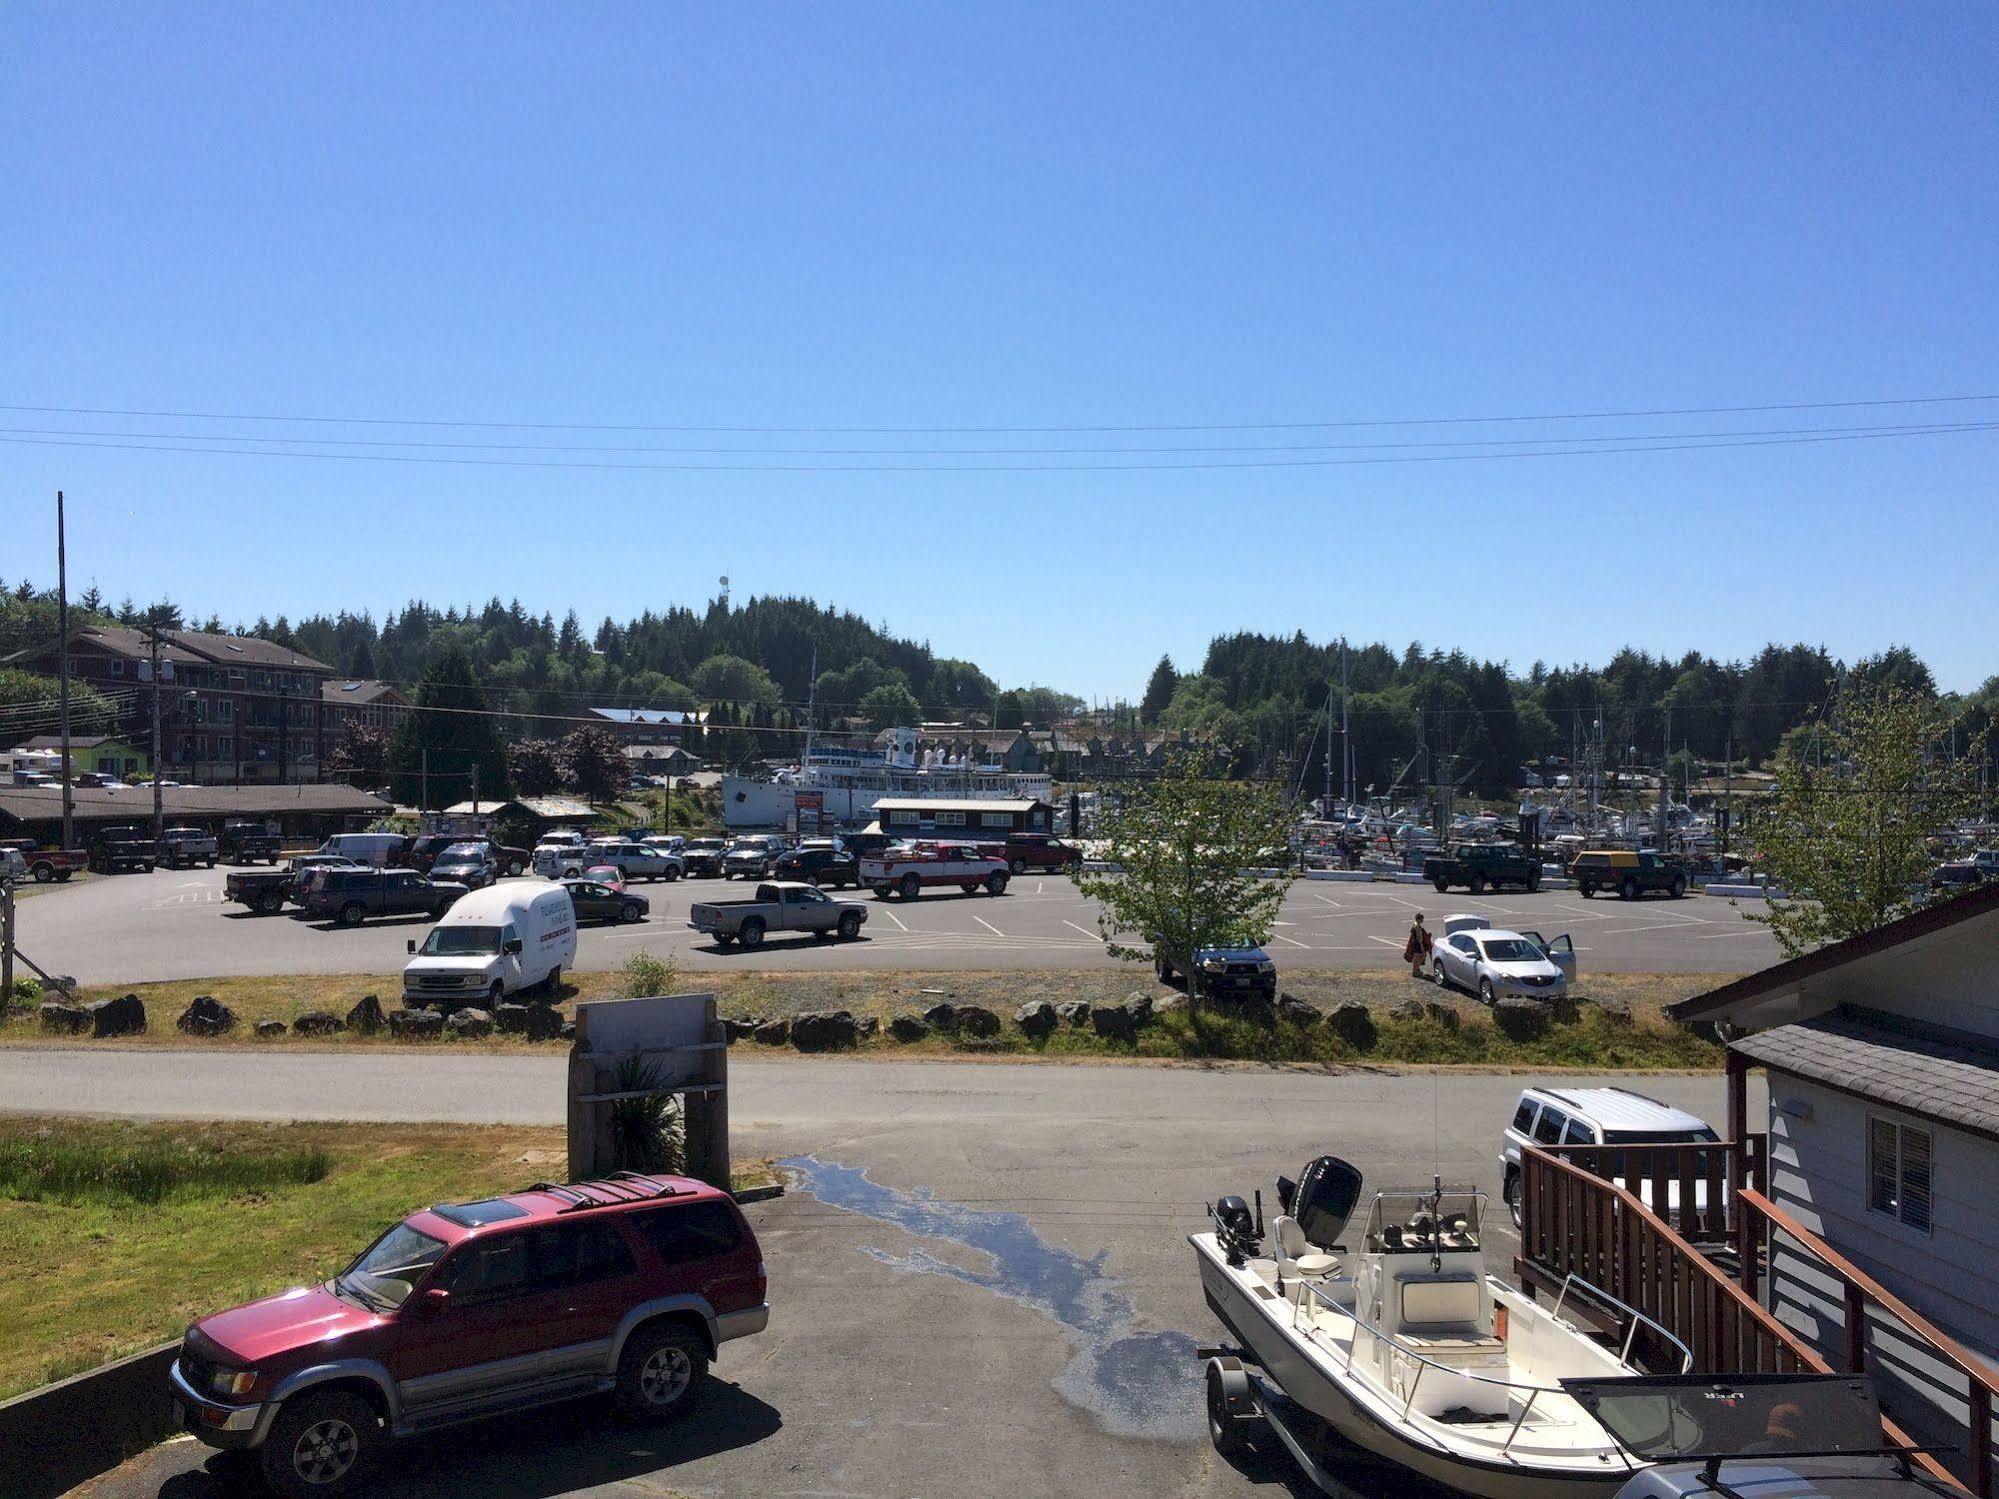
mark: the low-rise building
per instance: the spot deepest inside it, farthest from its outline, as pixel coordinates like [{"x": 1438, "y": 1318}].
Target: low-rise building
[
  {"x": 935, "y": 817},
  {"x": 96, "y": 754},
  {"x": 361, "y": 703}
]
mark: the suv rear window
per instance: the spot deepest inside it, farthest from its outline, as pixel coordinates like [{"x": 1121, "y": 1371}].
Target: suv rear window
[
  {"x": 1523, "y": 1117},
  {"x": 692, "y": 1231},
  {"x": 1548, "y": 1131}
]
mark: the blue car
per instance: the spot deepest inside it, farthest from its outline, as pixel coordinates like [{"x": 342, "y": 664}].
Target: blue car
[{"x": 1226, "y": 973}]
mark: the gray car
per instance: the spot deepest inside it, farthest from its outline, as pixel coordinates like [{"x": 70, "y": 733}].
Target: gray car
[
  {"x": 1495, "y": 964},
  {"x": 469, "y": 864}
]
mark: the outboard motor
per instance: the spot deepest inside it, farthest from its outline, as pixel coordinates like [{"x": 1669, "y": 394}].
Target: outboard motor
[
  {"x": 1324, "y": 1199},
  {"x": 1239, "y": 1234}
]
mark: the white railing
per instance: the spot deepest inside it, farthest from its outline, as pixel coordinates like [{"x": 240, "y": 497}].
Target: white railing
[{"x": 1424, "y": 1362}]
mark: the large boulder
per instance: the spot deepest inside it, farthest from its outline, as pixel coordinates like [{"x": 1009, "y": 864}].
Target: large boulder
[
  {"x": 1351, "y": 1022},
  {"x": 1563, "y": 1008},
  {"x": 1406, "y": 1010},
  {"x": 870, "y": 1025},
  {"x": 510, "y": 1019},
  {"x": 366, "y": 1016},
  {"x": 1138, "y": 1005},
  {"x": 1036, "y": 1018},
  {"x": 123, "y": 1016},
  {"x": 270, "y": 1030},
  {"x": 1520, "y": 1018},
  {"x": 1445, "y": 1015},
  {"x": 205, "y": 1016},
  {"x": 908, "y": 1027},
  {"x": 825, "y": 1030},
  {"x": 1616, "y": 1011},
  {"x": 735, "y": 1027},
  {"x": 942, "y": 1016},
  {"x": 469, "y": 1022},
  {"x": 1169, "y": 1004},
  {"x": 1113, "y": 1022},
  {"x": 773, "y": 1032},
  {"x": 544, "y": 1023},
  {"x": 1074, "y": 1012},
  {"x": 977, "y": 1020},
  {"x": 64, "y": 1020},
  {"x": 1299, "y": 1011},
  {"x": 416, "y": 1025},
  {"x": 318, "y": 1023}
]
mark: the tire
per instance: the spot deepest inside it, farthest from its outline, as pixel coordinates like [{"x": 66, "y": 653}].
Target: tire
[
  {"x": 1478, "y": 884},
  {"x": 996, "y": 884},
  {"x": 352, "y": 914},
  {"x": 1679, "y": 886},
  {"x": 514, "y": 870},
  {"x": 1628, "y": 890},
  {"x": 850, "y": 926},
  {"x": 496, "y": 995},
  {"x": 671, "y": 874},
  {"x": 1534, "y": 882},
  {"x": 911, "y": 887},
  {"x": 661, "y": 1371},
  {"x": 320, "y": 1446},
  {"x": 1588, "y": 890},
  {"x": 553, "y": 984},
  {"x": 1511, "y": 1191},
  {"x": 1485, "y": 995},
  {"x": 211, "y": 861},
  {"x": 1443, "y": 886},
  {"x": 1019, "y": 866},
  {"x": 1225, "y": 1427},
  {"x": 629, "y": 913},
  {"x": 1437, "y": 974},
  {"x": 44, "y": 873},
  {"x": 270, "y": 903},
  {"x": 723, "y": 939},
  {"x": 751, "y": 933}
]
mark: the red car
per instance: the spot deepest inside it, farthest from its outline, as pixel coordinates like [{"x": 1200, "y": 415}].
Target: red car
[
  {"x": 626, "y": 1286},
  {"x": 1025, "y": 851}
]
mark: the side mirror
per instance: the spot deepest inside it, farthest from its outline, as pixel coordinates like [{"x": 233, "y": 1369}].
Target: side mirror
[
  {"x": 514, "y": 946},
  {"x": 433, "y": 1301},
  {"x": 410, "y": 945}
]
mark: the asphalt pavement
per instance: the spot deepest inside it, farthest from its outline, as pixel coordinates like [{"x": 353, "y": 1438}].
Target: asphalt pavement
[
  {"x": 980, "y": 1277},
  {"x": 174, "y": 924}
]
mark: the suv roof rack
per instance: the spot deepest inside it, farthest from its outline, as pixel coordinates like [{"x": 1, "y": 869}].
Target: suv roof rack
[{"x": 607, "y": 1191}]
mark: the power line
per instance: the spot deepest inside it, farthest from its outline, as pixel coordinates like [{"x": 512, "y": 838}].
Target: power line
[
  {"x": 1004, "y": 468},
  {"x": 1405, "y": 421}
]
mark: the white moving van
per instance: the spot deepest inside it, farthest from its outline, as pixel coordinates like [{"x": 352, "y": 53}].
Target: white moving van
[
  {"x": 377, "y": 849},
  {"x": 493, "y": 943}
]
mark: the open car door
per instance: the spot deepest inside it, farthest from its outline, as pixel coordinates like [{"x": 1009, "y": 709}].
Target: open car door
[{"x": 1561, "y": 952}]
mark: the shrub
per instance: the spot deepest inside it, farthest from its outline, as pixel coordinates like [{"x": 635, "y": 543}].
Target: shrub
[
  {"x": 648, "y": 974},
  {"x": 646, "y": 1133}
]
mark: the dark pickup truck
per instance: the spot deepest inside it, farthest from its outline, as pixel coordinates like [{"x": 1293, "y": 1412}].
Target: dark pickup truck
[
  {"x": 1631, "y": 873},
  {"x": 246, "y": 842},
  {"x": 351, "y": 896},
  {"x": 1479, "y": 865},
  {"x": 266, "y": 892},
  {"x": 123, "y": 851}
]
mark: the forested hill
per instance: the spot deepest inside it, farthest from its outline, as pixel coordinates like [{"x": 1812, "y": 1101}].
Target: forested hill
[{"x": 1266, "y": 695}]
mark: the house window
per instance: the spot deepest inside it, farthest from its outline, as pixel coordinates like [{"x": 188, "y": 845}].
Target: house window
[
  {"x": 1898, "y": 1172},
  {"x": 950, "y": 819},
  {"x": 903, "y": 815},
  {"x": 117, "y": 667},
  {"x": 997, "y": 819}
]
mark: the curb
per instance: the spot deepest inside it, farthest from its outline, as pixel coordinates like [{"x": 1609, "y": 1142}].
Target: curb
[
  {"x": 758, "y": 1194},
  {"x": 54, "y": 1438}
]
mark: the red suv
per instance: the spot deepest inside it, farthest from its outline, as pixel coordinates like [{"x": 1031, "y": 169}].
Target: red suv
[
  {"x": 626, "y": 1286},
  {"x": 1025, "y": 851}
]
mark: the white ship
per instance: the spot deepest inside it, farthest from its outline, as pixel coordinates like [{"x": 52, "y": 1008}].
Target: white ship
[{"x": 839, "y": 787}]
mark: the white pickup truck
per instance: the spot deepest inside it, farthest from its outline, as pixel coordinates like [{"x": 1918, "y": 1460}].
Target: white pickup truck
[
  {"x": 908, "y": 869},
  {"x": 183, "y": 848}
]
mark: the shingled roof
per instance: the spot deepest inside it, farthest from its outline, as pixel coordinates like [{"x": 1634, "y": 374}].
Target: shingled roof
[{"x": 1923, "y": 1070}]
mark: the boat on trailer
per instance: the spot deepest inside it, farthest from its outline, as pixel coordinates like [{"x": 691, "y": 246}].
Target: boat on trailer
[{"x": 1404, "y": 1346}]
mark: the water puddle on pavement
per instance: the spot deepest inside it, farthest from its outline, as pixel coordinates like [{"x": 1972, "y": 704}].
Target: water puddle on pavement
[{"x": 1136, "y": 1383}]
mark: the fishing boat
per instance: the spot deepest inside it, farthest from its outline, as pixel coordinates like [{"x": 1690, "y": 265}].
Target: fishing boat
[{"x": 1404, "y": 1346}]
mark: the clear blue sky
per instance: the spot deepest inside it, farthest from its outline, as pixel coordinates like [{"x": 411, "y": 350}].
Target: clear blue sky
[{"x": 936, "y": 216}]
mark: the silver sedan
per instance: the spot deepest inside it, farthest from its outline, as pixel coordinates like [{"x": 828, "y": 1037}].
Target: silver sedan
[{"x": 1494, "y": 964}]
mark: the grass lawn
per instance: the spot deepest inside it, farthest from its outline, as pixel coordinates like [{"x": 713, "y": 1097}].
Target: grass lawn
[
  {"x": 128, "y": 1232},
  {"x": 1646, "y": 1039}
]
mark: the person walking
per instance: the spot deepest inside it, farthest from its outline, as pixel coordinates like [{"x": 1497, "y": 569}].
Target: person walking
[{"x": 1416, "y": 951}]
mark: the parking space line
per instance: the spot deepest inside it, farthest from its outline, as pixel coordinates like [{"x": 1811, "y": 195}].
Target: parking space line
[
  {"x": 1280, "y": 937},
  {"x": 1620, "y": 931},
  {"x": 1326, "y": 898},
  {"x": 1093, "y": 936},
  {"x": 893, "y": 917},
  {"x": 1384, "y": 941},
  {"x": 989, "y": 926},
  {"x": 1746, "y": 931}
]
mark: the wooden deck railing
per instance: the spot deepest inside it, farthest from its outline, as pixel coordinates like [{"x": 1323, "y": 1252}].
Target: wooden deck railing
[
  {"x": 1686, "y": 1186},
  {"x": 1862, "y": 1295},
  {"x": 1575, "y": 1222}
]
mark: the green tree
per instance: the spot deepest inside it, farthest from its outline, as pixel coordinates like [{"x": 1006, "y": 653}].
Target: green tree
[
  {"x": 732, "y": 679},
  {"x": 1158, "y": 691},
  {"x": 1848, "y": 834},
  {"x": 890, "y": 706},
  {"x": 450, "y": 721},
  {"x": 593, "y": 762},
  {"x": 360, "y": 756},
  {"x": 536, "y": 765},
  {"x": 1184, "y": 844},
  {"x": 30, "y": 704}
]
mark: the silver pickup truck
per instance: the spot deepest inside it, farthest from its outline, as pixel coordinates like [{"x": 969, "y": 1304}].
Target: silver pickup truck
[{"x": 780, "y": 906}]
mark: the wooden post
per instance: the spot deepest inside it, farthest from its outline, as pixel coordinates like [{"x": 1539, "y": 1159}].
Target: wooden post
[
  {"x": 1981, "y": 1439},
  {"x": 6, "y": 944},
  {"x": 1856, "y": 1330}
]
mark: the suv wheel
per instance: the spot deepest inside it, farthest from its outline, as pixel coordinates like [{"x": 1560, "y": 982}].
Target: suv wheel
[
  {"x": 1437, "y": 973},
  {"x": 320, "y": 1446},
  {"x": 1679, "y": 886},
  {"x": 996, "y": 884},
  {"x": 1628, "y": 890},
  {"x": 1018, "y": 866},
  {"x": 1478, "y": 884},
  {"x": 1533, "y": 881},
  {"x": 850, "y": 926},
  {"x": 1587, "y": 889},
  {"x": 660, "y": 1371},
  {"x": 495, "y": 995},
  {"x": 1512, "y": 1195},
  {"x": 1443, "y": 886},
  {"x": 911, "y": 887},
  {"x": 352, "y": 913}
]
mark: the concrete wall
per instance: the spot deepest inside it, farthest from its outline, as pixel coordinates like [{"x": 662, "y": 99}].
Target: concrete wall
[{"x": 53, "y": 1438}]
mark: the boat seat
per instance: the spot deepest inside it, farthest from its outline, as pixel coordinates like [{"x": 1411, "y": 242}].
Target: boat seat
[{"x": 1298, "y": 1255}]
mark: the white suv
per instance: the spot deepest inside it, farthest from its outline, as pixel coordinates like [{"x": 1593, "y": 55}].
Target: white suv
[{"x": 1596, "y": 1116}]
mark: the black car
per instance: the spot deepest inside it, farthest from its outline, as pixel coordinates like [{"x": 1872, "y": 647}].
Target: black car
[
  {"x": 595, "y": 902},
  {"x": 704, "y": 856},
  {"x": 819, "y": 865}
]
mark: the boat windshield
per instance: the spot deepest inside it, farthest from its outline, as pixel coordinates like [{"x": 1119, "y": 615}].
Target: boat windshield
[
  {"x": 461, "y": 942},
  {"x": 1441, "y": 1220},
  {"x": 1670, "y": 1418}
]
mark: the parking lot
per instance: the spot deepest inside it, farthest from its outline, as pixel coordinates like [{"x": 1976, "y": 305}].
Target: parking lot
[
  {"x": 174, "y": 924},
  {"x": 980, "y": 1278}
]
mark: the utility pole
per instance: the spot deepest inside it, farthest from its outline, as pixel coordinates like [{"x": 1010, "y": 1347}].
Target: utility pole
[
  {"x": 1329, "y": 751},
  {"x": 475, "y": 788},
  {"x": 62, "y": 673},
  {"x": 1346, "y": 739},
  {"x": 282, "y": 734},
  {"x": 159, "y": 815},
  {"x": 1665, "y": 774},
  {"x": 1727, "y": 790},
  {"x": 423, "y": 782}
]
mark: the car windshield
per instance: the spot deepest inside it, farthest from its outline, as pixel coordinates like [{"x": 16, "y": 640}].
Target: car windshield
[
  {"x": 464, "y": 851},
  {"x": 461, "y": 942},
  {"x": 1511, "y": 950},
  {"x": 388, "y": 1271}
]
